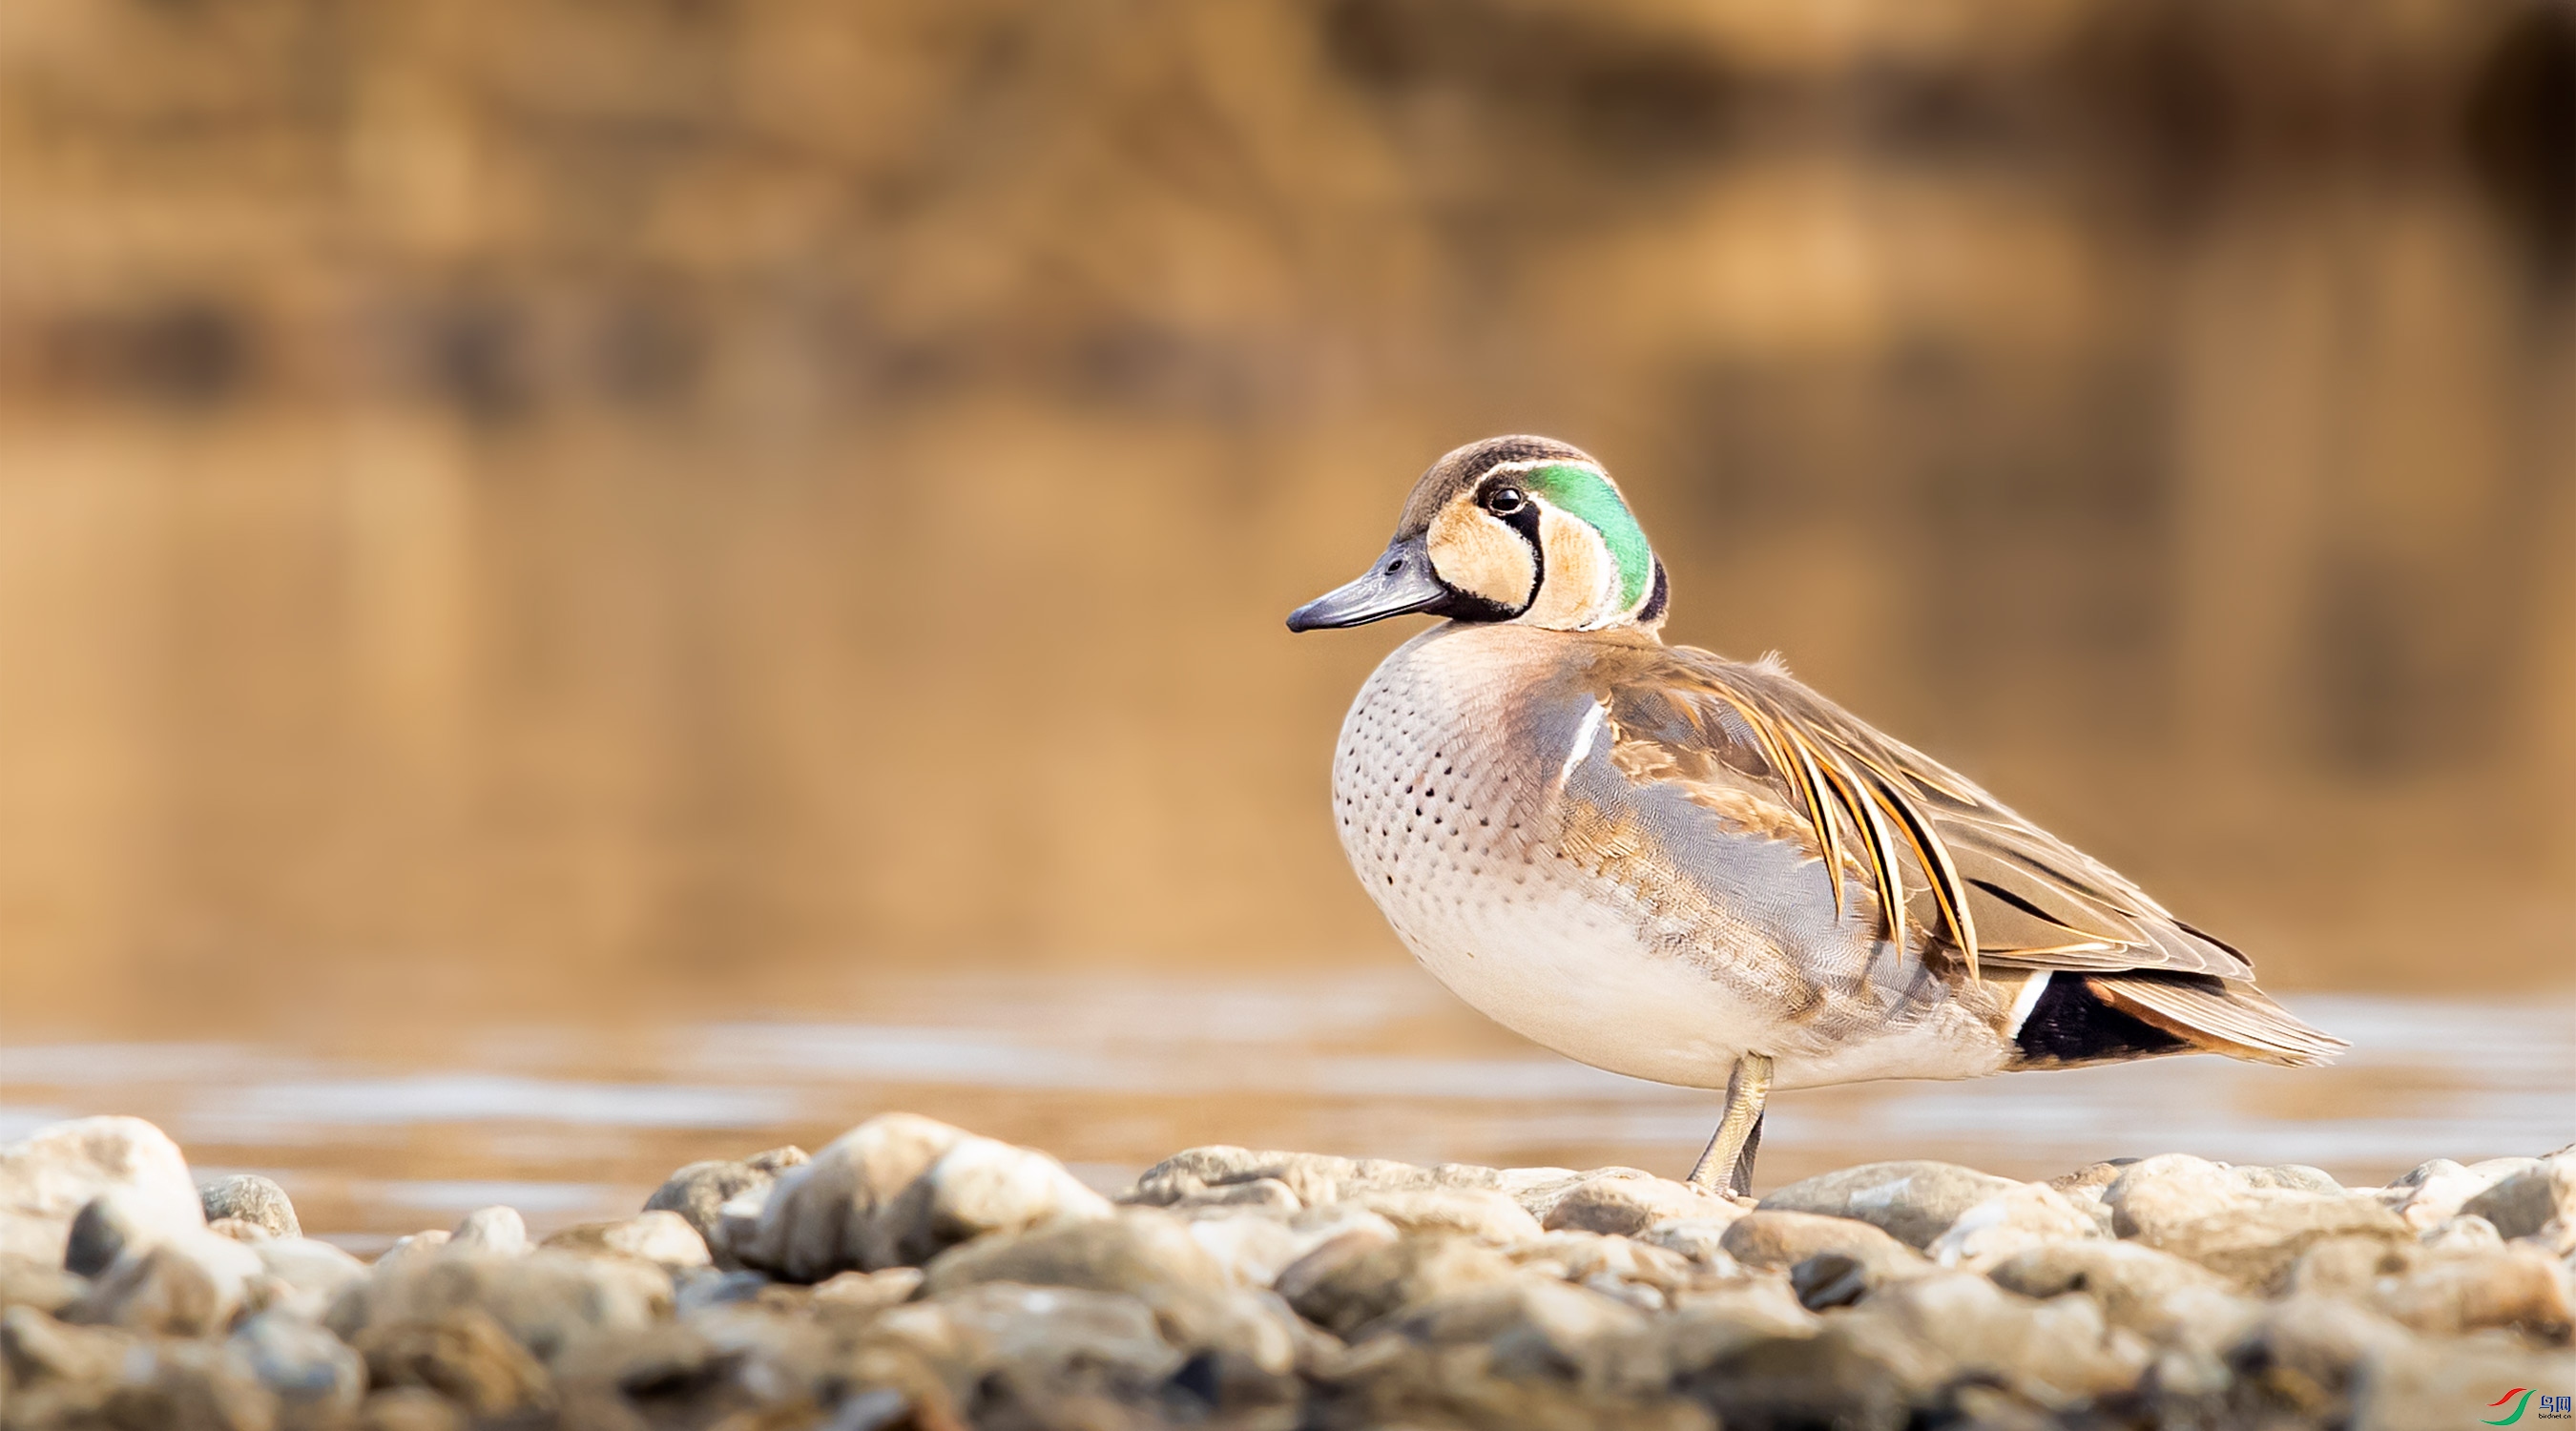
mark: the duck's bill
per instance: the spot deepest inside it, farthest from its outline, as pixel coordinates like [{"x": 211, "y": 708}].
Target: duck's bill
[{"x": 1401, "y": 581}]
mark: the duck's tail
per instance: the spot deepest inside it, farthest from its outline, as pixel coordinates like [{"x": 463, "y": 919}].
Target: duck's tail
[
  {"x": 2226, "y": 1016},
  {"x": 2105, "y": 1018}
]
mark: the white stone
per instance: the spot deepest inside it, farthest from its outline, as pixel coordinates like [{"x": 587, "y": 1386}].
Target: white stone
[
  {"x": 2434, "y": 1192},
  {"x": 895, "y": 1191},
  {"x": 497, "y": 1230},
  {"x": 660, "y": 1236},
  {"x": 1478, "y": 1212},
  {"x": 829, "y": 1214},
  {"x": 2527, "y": 1201},
  {"x": 47, "y": 1177},
  {"x": 1701, "y": 1239},
  {"x": 1254, "y": 1247},
  {"x": 2031, "y": 1215},
  {"x": 546, "y": 1300},
  {"x": 1628, "y": 1204},
  {"x": 983, "y": 1185},
  {"x": 416, "y": 1247},
  {"x": 301, "y": 1275}
]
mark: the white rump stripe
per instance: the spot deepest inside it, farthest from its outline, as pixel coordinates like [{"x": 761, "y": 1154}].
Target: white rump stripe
[{"x": 2025, "y": 1001}]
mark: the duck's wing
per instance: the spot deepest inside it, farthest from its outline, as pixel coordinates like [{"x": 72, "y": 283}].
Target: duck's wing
[{"x": 1978, "y": 883}]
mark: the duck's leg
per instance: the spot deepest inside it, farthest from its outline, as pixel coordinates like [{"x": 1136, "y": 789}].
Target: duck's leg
[{"x": 1739, "y": 1134}]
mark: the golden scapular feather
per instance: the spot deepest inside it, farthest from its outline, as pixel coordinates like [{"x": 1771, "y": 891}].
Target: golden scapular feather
[{"x": 2000, "y": 889}]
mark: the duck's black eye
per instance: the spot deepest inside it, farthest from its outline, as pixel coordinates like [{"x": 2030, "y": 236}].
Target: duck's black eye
[{"x": 1503, "y": 501}]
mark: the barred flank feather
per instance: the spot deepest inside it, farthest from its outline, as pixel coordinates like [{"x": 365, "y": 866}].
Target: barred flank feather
[{"x": 2003, "y": 894}]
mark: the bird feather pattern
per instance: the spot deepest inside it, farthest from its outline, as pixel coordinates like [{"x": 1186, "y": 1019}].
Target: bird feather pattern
[{"x": 1996, "y": 890}]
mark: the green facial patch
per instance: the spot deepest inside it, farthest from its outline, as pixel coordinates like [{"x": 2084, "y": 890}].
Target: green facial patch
[{"x": 1585, "y": 494}]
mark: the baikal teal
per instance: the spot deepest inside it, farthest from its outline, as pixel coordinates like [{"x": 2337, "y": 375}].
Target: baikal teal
[{"x": 1699, "y": 871}]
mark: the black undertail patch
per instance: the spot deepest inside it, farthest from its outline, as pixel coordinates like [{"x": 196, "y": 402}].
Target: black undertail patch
[{"x": 2071, "y": 1024}]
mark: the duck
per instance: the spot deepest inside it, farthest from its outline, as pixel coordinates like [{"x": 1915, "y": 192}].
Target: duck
[{"x": 1701, "y": 872}]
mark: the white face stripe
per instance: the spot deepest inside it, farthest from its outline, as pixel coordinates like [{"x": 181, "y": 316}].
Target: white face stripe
[
  {"x": 1584, "y": 735},
  {"x": 1535, "y": 463},
  {"x": 2025, "y": 1001}
]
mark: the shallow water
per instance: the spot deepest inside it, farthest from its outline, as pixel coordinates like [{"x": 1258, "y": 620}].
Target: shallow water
[{"x": 1113, "y": 1072}]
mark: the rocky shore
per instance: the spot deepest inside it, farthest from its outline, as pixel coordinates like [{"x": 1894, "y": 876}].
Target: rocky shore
[{"x": 911, "y": 1274}]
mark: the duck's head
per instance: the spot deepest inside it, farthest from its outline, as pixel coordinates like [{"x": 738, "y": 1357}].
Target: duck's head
[{"x": 1520, "y": 529}]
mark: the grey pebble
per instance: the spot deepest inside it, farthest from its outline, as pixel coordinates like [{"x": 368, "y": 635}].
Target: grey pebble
[{"x": 252, "y": 1199}]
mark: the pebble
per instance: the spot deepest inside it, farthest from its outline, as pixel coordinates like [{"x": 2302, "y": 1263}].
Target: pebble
[
  {"x": 32, "y": 1284},
  {"x": 418, "y": 1245},
  {"x": 302, "y": 1275},
  {"x": 698, "y": 1191},
  {"x": 1311, "y": 1179},
  {"x": 2433, "y": 1192},
  {"x": 545, "y": 1301},
  {"x": 2057, "y": 1352},
  {"x": 1639, "y": 1273},
  {"x": 316, "y": 1377},
  {"x": 188, "y": 1285},
  {"x": 1226, "y": 1175},
  {"x": 1701, "y": 1239},
  {"x": 2451, "y": 1291},
  {"x": 2161, "y": 1297},
  {"x": 2018, "y": 1219},
  {"x": 1146, "y": 1253},
  {"x": 912, "y": 1273},
  {"x": 1345, "y": 1289},
  {"x": 1710, "y": 1323},
  {"x": 894, "y": 1191},
  {"x": 49, "y": 1176},
  {"x": 74, "y": 1376},
  {"x": 1032, "y": 1341},
  {"x": 106, "y": 1226},
  {"x": 2465, "y": 1232},
  {"x": 1774, "y": 1241},
  {"x": 251, "y": 1199},
  {"x": 1914, "y": 1202},
  {"x": 1478, "y": 1212},
  {"x": 1534, "y": 1327},
  {"x": 869, "y": 1291},
  {"x": 659, "y": 1236},
  {"x": 1136, "y": 1250},
  {"x": 2527, "y": 1201},
  {"x": 1256, "y": 1246},
  {"x": 2255, "y": 1243},
  {"x": 410, "y": 1408},
  {"x": 463, "y": 1354},
  {"x": 499, "y": 1231},
  {"x": 980, "y": 1186},
  {"x": 1630, "y": 1205},
  {"x": 2172, "y": 1189}
]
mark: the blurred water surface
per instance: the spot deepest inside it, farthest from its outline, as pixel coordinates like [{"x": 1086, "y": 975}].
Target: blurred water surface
[
  {"x": 1115, "y": 1072},
  {"x": 582, "y": 587}
]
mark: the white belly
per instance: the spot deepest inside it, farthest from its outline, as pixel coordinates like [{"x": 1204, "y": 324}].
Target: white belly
[{"x": 1560, "y": 970}]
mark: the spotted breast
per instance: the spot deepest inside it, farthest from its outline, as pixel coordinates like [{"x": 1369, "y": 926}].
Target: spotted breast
[{"x": 1481, "y": 798}]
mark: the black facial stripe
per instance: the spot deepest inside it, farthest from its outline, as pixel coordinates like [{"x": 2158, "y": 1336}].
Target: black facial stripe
[
  {"x": 1468, "y": 606},
  {"x": 1525, "y": 522},
  {"x": 1656, "y": 599}
]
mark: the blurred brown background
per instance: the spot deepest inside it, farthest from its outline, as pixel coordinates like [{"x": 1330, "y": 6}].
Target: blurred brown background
[{"x": 557, "y": 508}]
